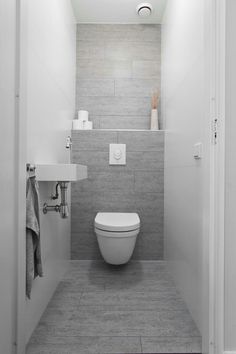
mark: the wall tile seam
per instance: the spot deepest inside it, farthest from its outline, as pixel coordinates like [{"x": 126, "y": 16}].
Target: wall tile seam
[
  {"x": 117, "y": 193},
  {"x": 121, "y": 115},
  {"x": 120, "y": 96},
  {"x": 132, "y": 75},
  {"x": 128, "y": 169},
  {"x": 121, "y": 41},
  {"x": 122, "y": 168},
  {"x": 117, "y": 35},
  {"x": 108, "y": 39},
  {"x": 106, "y": 57},
  {"x": 160, "y": 159}
]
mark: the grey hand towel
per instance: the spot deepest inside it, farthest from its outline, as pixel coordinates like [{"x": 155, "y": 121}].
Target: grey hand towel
[{"x": 33, "y": 248}]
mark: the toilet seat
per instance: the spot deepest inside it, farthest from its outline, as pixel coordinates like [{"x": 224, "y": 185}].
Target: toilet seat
[
  {"x": 117, "y": 223},
  {"x": 116, "y": 235}
]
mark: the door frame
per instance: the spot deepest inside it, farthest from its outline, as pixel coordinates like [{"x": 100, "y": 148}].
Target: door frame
[
  {"x": 21, "y": 158},
  {"x": 217, "y": 183}
]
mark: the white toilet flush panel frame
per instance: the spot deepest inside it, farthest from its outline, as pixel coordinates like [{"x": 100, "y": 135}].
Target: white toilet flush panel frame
[{"x": 117, "y": 154}]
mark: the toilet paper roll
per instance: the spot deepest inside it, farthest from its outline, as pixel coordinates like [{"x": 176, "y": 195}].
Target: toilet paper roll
[
  {"x": 77, "y": 124},
  {"x": 88, "y": 125},
  {"x": 83, "y": 115}
]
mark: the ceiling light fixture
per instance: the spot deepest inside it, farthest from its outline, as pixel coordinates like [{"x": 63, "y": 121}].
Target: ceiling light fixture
[{"x": 144, "y": 9}]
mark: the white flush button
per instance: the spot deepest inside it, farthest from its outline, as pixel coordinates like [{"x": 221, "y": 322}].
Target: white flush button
[{"x": 117, "y": 154}]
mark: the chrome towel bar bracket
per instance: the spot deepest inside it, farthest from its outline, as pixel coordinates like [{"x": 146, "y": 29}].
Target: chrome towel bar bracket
[{"x": 30, "y": 167}]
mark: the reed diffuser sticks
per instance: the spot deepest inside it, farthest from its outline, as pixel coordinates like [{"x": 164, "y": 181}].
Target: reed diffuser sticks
[{"x": 155, "y": 99}]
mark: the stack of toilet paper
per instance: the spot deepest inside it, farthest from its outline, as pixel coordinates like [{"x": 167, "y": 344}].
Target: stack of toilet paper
[{"x": 82, "y": 122}]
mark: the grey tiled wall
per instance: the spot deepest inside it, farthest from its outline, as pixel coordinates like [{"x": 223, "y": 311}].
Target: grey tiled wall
[
  {"x": 118, "y": 66},
  {"x": 136, "y": 187}
]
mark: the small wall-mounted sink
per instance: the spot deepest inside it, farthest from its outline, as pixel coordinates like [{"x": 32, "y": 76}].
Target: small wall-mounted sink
[{"x": 61, "y": 172}]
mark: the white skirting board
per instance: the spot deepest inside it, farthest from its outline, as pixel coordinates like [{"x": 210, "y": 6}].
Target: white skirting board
[{"x": 230, "y": 352}]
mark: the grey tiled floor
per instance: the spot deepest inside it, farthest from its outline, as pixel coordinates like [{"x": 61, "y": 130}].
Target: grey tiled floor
[{"x": 100, "y": 309}]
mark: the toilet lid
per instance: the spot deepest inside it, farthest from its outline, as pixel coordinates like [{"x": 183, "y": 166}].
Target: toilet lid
[{"x": 117, "y": 221}]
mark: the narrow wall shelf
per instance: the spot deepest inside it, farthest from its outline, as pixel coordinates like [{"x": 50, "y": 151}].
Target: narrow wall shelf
[{"x": 121, "y": 130}]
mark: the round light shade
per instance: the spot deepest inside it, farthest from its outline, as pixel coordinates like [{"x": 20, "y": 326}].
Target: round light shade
[{"x": 144, "y": 9}]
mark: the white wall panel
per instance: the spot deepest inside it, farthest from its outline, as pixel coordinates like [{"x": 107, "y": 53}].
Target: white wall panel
[
  {"x": 185, "y": 120},
  {"x": 8, "y": 229},
  {"x": 50, "y": 109}
]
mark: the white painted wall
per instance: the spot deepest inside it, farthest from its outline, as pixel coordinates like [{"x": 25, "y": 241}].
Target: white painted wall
[
  {"x": 185, "y": 117},
  {"x": 7, "y": 176},
  {"x": 230, "y": 188},
  {"x": 118, "y": 12},
  {"x": 51, "y": 71}
]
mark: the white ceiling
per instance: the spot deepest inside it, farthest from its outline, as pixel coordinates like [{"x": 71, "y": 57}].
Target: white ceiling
[{"x": 115, "y": 11}]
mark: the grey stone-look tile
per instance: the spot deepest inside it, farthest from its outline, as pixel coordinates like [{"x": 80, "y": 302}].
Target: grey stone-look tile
[
  {"x": 65, "y": 300},
  {"x": 87, "y": 345},
  {"x": 149, "y": 246},
  {"x": 145, "y": 160},
  {"x": 146, "y": 69},
  {"x": 171, "y": 345},
  {"x": 81, "y": 199},
  {"x": 136, "y": 87},
  {"x": 99, "y": 87},
  {"x": 84, "y": 246},
  {"x": 132, "y": 51},
  {"x": 142, "y": 141},
  {"x": 118, "y": 181},
  {"x": 139, "y": 283},
  {"x": 134, "y": 267},
  {"x": 96, "y": 121},
  {"x": 149, "y": 182},
  {"x": 81, "y": 282},
  {"x": 140, "y": 300},
  {"x": 113, "y": 201},
  {"x": 125, "y": 122},
  {"x": 134, "y": 275},
  {"x": 89, "y": 50},
  {"x": 79, "y": 196},
  {"x": 95, "y": 68},
  {"x": 114, "y": 32},
  {"x": 152, "y": 223},
  {"x": 96, "y": 159},
  {"x": 115, "y": 105},
  {"x": 146, "y": 203},
  {"x": 139, "y": 160},
  {"x": 102, "y": 322},
  {"x": 82, "y": 187},
  {"x": 93, "y": 140},
  {"x": 82, "y": 224},
  {"x": 99, "y": 308}
]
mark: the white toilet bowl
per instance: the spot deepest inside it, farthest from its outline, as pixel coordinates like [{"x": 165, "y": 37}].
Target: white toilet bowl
[{"x": 116, "y": 235}]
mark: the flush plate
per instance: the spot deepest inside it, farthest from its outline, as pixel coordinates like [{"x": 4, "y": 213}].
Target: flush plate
[{"x": 117, "y": 154}]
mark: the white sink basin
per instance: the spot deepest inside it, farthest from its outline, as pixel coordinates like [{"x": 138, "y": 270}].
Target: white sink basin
[{"x": 61, "y": 172}]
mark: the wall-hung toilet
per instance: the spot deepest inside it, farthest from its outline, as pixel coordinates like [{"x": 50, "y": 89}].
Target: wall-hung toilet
[{"x": 116, "y": 235}]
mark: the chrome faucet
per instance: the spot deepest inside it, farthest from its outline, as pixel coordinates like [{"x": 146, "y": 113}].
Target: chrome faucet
[{"x": 68, "y": 142}]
